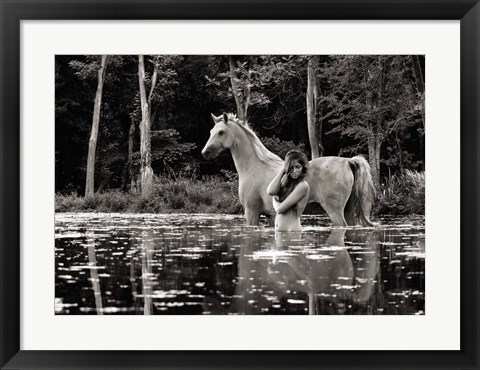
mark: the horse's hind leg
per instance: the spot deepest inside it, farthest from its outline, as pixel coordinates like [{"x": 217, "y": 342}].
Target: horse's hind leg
[
  {"x": 350, "y": 211},
  {"x": 334, "y": 204},
  {"x": 336, "y": 214},
  {"x": 337, "y": 218}
]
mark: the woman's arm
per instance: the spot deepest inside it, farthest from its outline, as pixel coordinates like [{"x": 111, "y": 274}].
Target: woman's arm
[
  {"x": 276, "y": 204},
  {"x": 293, "y": 198},
  {"x": 274, "y": 187}
]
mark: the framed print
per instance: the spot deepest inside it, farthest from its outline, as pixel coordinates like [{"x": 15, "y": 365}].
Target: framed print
[{"x": 239, "y": 185}]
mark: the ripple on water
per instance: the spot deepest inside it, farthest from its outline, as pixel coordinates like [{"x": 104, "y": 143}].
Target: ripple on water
[{"x": 216, "y": 264}]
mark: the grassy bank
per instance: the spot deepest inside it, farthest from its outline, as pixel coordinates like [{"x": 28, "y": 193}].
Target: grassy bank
[
  {"x": 402, "y": 194},
  {"x": 399, "y": 195},
  {"x": 180, "y": 195}
]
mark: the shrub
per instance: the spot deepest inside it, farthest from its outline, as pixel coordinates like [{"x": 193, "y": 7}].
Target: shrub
[
  {"x": 114, "y": 201},
  {"x": 68, "y": 203},
  {"x": 90, "y": 202},
  {"x": 402, "y": 193},
  {"x": 173, "y": 191},
  {"x": 170, "y": 194}
]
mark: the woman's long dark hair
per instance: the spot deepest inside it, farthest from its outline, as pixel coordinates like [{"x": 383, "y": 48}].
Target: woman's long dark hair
[{"x": 288, "y": 184}]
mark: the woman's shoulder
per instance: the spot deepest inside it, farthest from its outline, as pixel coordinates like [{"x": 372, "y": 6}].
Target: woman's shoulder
[{"x": 303, "y": 185}]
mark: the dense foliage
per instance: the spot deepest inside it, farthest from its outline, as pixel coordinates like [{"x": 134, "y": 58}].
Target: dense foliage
[
  {"x": 170, "y": 195},
  {"x": 363, "y": 99}
]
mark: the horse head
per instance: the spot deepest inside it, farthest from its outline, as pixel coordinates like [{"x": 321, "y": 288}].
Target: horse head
[{"x": 221, "y": 137}]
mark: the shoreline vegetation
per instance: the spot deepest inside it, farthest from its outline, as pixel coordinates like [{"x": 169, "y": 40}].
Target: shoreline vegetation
[{"x": 400, "y": 194}]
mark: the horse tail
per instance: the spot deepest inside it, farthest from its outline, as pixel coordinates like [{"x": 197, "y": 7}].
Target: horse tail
[{"x": 363, "y": 191}]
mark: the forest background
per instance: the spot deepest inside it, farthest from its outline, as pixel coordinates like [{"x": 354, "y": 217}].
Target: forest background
[{"x": 129, "y": 129}]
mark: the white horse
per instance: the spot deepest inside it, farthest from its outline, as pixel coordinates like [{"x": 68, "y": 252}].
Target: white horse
[{"x": 342, "y": 186}]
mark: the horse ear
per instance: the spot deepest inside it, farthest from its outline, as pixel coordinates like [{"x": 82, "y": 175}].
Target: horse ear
[
  {"x": 215, "y": 119},
  {"x": 225, "y": 117}
]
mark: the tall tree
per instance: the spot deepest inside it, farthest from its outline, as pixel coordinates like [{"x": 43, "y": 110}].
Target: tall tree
[
  {"x": 240, "y": 88},
  {"x": 92, "y": 144},
  {"x": 375, "y": 122},
  {"x": 146, "y": 172},
  {"x": 370, "y": 99},
  {"x": 131, "y": 172},
  {"x": 249, "y": 77},
  {"x": 312, "y": 101},
  {"x": 418, "y": 73},
  {"x": 419, "y": 79},
  {"x": 154, "y": 111},
  {"x": 183, "y": 102}
]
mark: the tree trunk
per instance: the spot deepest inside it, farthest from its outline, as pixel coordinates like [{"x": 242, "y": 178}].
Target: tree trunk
[
  {"x": 417, "y": 69},
  {"x": 379, "y": 123},
  {"x": 104, "y": 184},
  {"x": 372, "y": 158},
  {"x": 92, "y": 144},
  {"x": 320, "y": 121},
  {"x": 146, "y": 172},
  {"x": 131, "y": 135},
  {"x": 374, "y": 124},
  {"x": 312, "y": 96},
  {"x": 399, "y": 152},
  {"x": 241, "y": 91}
]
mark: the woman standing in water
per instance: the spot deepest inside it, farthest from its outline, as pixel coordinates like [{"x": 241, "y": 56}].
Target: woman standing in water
[{"x": 290, "y": 192}]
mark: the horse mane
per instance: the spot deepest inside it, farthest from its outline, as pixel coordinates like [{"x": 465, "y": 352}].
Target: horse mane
[{"x": 262, "y": 152}]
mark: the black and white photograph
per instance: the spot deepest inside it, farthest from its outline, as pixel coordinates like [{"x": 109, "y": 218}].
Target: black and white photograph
[{"x": 240, "y": 185}]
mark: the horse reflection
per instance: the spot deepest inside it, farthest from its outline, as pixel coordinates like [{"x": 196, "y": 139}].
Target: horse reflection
[{"x": 295, "y": 275}]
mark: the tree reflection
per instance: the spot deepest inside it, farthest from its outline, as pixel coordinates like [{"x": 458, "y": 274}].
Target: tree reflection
[
  {"x": 92, "y": 263},
  {"x": 147, "y": 251},
  {"x": 206, "y": 268}
]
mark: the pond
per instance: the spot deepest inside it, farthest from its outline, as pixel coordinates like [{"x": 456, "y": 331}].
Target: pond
[{"x": 148, "y": 264}]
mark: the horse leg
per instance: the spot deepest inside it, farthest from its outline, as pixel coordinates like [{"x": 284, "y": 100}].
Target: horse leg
[
  {"x": 252, "y": 216},
  {"x": 350, "y": 211},
  {"x": 336, "y": 215},
  {"x": 271, "y": 218},
  {"x": 337, "y": 218},
  {"x": 334, "y": 204}
]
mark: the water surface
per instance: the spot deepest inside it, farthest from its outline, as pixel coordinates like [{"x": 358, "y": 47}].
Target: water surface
[{"x": 141, "y": 264}]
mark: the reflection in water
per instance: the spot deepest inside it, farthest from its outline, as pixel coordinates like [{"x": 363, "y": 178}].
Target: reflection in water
[
  {"x": 148, "y": 278},
  {"x": 92, "y": 263},
  {"x": 325, "y": 277},
  {"x": 212, "y": 264}
]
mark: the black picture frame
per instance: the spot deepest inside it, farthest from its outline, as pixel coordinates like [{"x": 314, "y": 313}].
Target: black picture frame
[{"x": 12, "y": 12}]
